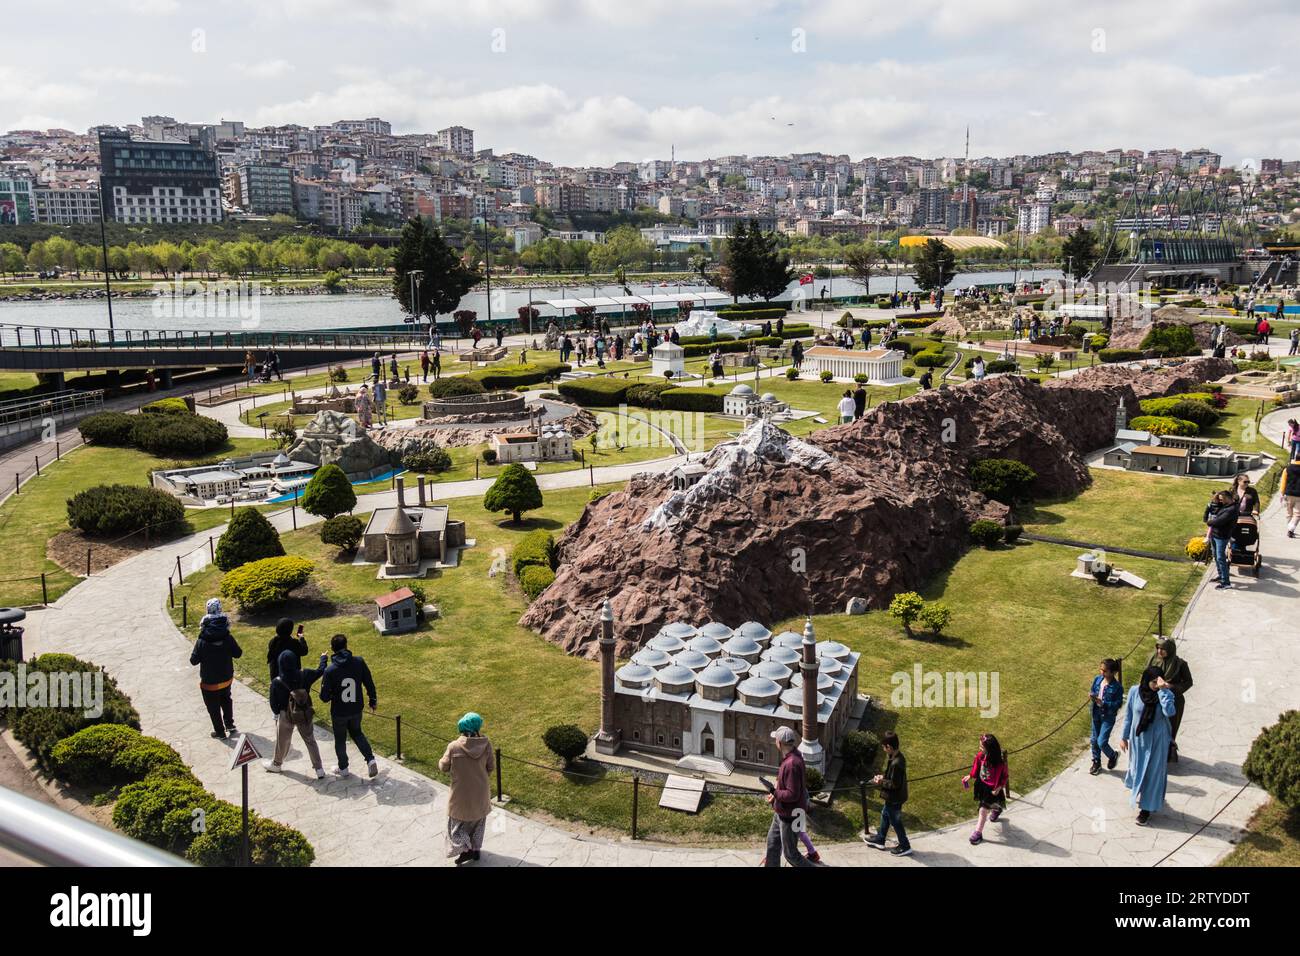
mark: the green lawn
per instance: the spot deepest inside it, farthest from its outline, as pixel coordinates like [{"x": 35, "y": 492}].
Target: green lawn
[
  {"x": 1272, "y": 838},
  {"x": 29, "y": 520}
]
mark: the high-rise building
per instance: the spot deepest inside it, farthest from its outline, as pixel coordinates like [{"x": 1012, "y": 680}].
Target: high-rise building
[
  {"x": 263, "y": 189},
  {"x": 458, "y": 139},
  {"x": 167, "y": 182},
  {"x": 1033, "y": 217}
]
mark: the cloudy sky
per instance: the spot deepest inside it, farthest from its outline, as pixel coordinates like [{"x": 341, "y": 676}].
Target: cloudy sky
[{"x": 596, "y": 81}]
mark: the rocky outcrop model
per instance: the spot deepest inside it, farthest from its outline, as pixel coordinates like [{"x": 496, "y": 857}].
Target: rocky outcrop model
[
  {"x": 1130, "y": 328},
  {"x": 779, "y": 526}
]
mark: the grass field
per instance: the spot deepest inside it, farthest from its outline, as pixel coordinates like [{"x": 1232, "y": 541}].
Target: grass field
[{"x": 1272, "y": 838}]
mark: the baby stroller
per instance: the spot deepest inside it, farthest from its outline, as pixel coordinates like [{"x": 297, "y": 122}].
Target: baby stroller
[
  {"x": 1243, "y": 551},
  {"x": 262, "y": 373}
]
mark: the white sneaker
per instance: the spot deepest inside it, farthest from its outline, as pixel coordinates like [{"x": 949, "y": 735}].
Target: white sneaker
[
  {"x": 320, "y": 773},
  {"x": 373, "y": 768},
  {"x": 272, "y": 767},
  {"x": 342, "y": 772}
]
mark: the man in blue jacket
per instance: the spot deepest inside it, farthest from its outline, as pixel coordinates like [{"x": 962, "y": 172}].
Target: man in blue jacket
[{"x": 345, "y": 678}]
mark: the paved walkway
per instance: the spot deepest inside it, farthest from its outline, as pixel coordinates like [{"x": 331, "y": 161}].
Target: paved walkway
[{"x": 1245, "y": 676}]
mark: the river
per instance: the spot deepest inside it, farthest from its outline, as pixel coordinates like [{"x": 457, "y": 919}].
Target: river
[{"x": 303, "y": 313}]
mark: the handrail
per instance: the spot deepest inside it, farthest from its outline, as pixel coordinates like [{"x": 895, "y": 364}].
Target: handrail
[{"x": 54, "y": 837}]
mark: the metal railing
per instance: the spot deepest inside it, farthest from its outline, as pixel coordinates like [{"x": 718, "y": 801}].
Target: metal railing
[
  {"x": 19, "y": 412},
  {"x": 60, "y": 338},
  {"x": 52, "y": 837}
]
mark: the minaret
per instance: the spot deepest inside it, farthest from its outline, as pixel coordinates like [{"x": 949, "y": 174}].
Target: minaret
[
  {"x": 1121, "y": 418},
  {"x": 811, "y": 748},
  {"x": 608, "y": 740}
]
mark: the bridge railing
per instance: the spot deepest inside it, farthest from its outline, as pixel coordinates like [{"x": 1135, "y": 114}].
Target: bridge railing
[
  {"x": 18, "y": 413},
  {"x": 50, "y": 337}
]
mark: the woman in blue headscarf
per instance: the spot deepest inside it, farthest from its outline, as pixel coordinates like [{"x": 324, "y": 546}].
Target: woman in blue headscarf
[
  {"x": 470, "y": 761},
  {"x": 1146, "y": 740}
]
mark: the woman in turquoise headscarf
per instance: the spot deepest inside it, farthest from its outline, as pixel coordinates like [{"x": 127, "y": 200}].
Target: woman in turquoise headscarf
[
  {"x": 1146, "y": 740},
  {"x": 470, "y": 760}
]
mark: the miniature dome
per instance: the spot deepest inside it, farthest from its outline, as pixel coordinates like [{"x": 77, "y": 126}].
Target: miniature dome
[
  {"x": 717, "y": 675},
  {"x": 680, "y": 630},
  {"x": 781, "y": 655},
  {"x": 652, "y": 657},
  {"x": 705, "y": 645},
  {"x": 829, "y": 665},
  {"x": 768, "y": 397},
  {"x": 833, "y": 649},
  {"x": 792, "y": 699},
  {"x": 742, "y": 390},
  {"x": 737, "y": 664},
  {"x": 635, "y": 675},
  {"x": 755, "y": 632},
  {"x": 719, "y": 632},
  {"x": 280, "y": 460},
  {"x": 758, "y": 687},
  {"x": 824, "y": 681},
  {"x": 669, "y": 643},
  {"x": 772, "y": 670},
  {"x": 692, "y": 659},
  {"x": 788, "y": 639},
  {"x": 742, "y": 646},
  {"x": 674, "y": 676}
]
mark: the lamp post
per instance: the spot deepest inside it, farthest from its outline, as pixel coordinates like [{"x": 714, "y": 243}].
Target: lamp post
[
  {"x": 415, "y": 275},
  {"x": 103, "y": 243}
]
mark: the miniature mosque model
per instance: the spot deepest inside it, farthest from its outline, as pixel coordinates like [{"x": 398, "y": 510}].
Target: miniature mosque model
[
  {"x": 742, "y": 402},
  {"x": 711, "y": 696}
]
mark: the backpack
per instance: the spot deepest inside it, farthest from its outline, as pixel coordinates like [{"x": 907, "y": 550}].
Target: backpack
[{"x": 299, "y": 708}]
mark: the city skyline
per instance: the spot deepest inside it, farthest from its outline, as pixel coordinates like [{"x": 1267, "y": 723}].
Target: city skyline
[{"x": 735, "y": 79}]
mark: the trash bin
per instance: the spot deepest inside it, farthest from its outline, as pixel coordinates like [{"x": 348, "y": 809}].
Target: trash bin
[{"x": 11, "y": 635}]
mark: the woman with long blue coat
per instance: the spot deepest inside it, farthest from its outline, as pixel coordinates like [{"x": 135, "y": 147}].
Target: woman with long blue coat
[{"x": 1146, "y": 740}]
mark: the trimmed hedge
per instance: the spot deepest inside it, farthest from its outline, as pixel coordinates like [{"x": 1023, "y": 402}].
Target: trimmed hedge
[
  {"x": 514, "y": 376},
  {"x": 1164, "y": 425},
  {"x": 647, "y": 396},
  {"x": 166, "y": 406},
  {"x": 262, "y": 584},
  {"x": 535, "y": 580},
  {"x": 427, "y": 460},
  {"x": 930, "y": 359},
  {"x": 455, "y": 385},
  {"x": 1188, "y": 409},
  {"x": 690, "y": 400},
  {"x": 596, "y": 391},
  {"x": 175, "y": 433},
  {"x": 1120, "y": 355},
  {"x": 110, "y": 755},
  {"x": 731, "y": 345},
  {"x": 987, "y": 533},
  {"x": 536, "y": 548},
  {"x": 120, "y": 509},
  {"x": 107, "y": 428}
]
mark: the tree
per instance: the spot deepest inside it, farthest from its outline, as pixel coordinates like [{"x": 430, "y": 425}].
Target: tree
[
  {"x": 1079, "y": 252},
  {"x": 515, "y": 491},
  {"x": 1274, "y": 759},
  {"x": 343, "y": 531},
  {"x": 753, "y": 264},
  {"x": 249, "y": 537},
  {"x": 861, "y": 261},
  {"x": 329, "y": 493},
  {"x": 566, "y": 741},
  {"x": 935, "y": 265},
  {"x": 444, "y": 280}
]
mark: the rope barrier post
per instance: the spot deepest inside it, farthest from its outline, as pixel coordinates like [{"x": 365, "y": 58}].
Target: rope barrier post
[
  {"x": 501, "y": 798},
  {"x": 399, "y": 736},
  {"x": 180, "y": 577},
  {"x": 591, "y": 470},
  {"x": 212, "y": 551},
  {"x": 636, "y": 792},
  {"x": 171, "y": 592},
  {"x": 88, "y": 560},
  {"x": 17, "y": 485},
  {"x": 45, "y": 594},
  {"x": 38, "y": 464},
  {"x": 232, "y": 509},
  {"x": 57, "y": 451},
  {"x": 866, "y": 816},
  {"x": 185, "y": 610}
]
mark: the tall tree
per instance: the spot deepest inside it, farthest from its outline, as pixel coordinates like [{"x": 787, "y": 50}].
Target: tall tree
[
  {"x": 1079, "y": 252},
  {"x": 861, "y": 260},
  {"x": 445, "y": 279},
  {"x": 935, "y": 265},
  {"x": 753, "y": 264}
]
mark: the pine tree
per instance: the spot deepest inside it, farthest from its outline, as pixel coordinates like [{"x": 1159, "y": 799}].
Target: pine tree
[
  {"x": 935, "y": 265},
  {"x": 329, "y": 493},
  {"x": 445, "y": 279},
  {"x": 515, "y": 491}
]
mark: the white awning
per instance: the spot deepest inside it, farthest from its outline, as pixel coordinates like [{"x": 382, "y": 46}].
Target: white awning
[
  {"x": 629, "y": 299},
  {"x": 565, "y": 303}
]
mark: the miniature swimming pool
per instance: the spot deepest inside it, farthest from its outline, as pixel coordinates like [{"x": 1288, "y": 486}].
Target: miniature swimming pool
[{"x": 385, "y": 476}]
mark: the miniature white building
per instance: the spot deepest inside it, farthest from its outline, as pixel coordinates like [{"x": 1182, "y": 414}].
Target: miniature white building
[
  {"x": 878, "y": 365},
  {"x": 668, "y": 357},
  {"x": 552, "y": 443},
  {"x": 209, "y": 485},
  {"x": 741, "y": 402}
]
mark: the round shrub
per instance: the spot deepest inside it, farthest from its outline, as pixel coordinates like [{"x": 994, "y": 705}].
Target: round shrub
[
  {"x": 249, "y": 537},
  {"x": 813, "y": 779},
  {"x": 792, "y": 374},
  {"x": 456, "y": 385},
  {"x": 181, "y": 435},
  {"x": 1000, "y": 366},
  {"x": 408, "y": 393},
  {"x": 861, "y": 379},
  {"x": 906, "y": 607},
  {"x": 1163, "y": 425},
  {"x": 144, "y": 757},
  {"x": 987, "y": 533},
  {"x": 909, "y": 371},
  {"x": 859, "y": 749},
  {"x": 112, "y": 510},
  {"x": 1003, "y": 479},
  {"x": 826, "y": 376},
  {"x": 342, "y": 531},
  {"x": 489, "y": 456},
  {"x": 427, "y": 460},
  {"x": 258, "y": 585},
  {"x": 86, "y": 757},
  {"x": 328, "y": 493},
  {"x": 1011, "y": 533},
  {"x": 1274, "y": 759},
  {"x": 935, "y": 617},
  {"x": 166, "y": 406},
  {"x": 566, "y": 741},
  {"x": 534, "y": 548},
  {"x": 930, "y": 359},
  {"x": 106, "y": 428},
  {"x": 164, "y": 813},
  {"x": 270, "y": 843},
  {"x": 1199, "y": 414},
  {"x": 535, "y": 579}
]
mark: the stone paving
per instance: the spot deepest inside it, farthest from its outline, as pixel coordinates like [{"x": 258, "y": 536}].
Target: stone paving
[{"x": 1240, "y": 645}]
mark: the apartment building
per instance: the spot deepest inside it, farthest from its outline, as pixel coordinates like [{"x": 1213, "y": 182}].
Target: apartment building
[{"x": 158, "y": 181}]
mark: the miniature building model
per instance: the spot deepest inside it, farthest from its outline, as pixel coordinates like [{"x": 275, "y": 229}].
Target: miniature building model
[
  {"x": 711, "y": 696},
  {"x": 741, "y": 402},
  {"x": 878, "y": 365},
  {"x": 550, "y": 443},
  {"x": 397, "y": 612},
  {"x": 400, "y": 538},
  {"x": 668, "y": 356},
  {"x": 1178, "y": 455}
]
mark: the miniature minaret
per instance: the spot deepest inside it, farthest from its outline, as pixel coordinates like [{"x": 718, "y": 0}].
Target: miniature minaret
[
  {"x": 811, "y": 748},
  {"x": 607, "y": 738},
  {"x": 1121, "y": 418}
]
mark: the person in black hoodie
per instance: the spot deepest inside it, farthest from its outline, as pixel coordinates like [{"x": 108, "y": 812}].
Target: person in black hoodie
[
  {"x": 341, "y": 688},
  {"x": 291, "y": 704},
  {"x": 1221, "y": 516},
  {"x": 214, "y": 653},
  {"x": 284, "y": 640}
]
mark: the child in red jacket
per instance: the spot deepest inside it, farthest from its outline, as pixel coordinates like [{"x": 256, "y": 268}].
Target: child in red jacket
[{"x": 992, "y": 781}]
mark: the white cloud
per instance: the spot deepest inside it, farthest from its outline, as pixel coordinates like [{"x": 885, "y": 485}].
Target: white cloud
[
  {"x": 117, "y": 74},
  {"x": 263, "y": 69}
]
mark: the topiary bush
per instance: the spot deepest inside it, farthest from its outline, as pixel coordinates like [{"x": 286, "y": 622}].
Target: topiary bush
[
  {"x": 987, "y": 533},
  {"x": 535, "y": 548},
  {"x": 515, "y": 376},
  {"x": 792, "y": 374},
  {"x": 1001, "y": 366},
  {"x": 1003, "y": 479},
  {"x": 596, "y": 392},
  {"x": 109, "y": 755},
  {"x": 112, "y": 510},
  {"x": 107, "y": 428},
  {"x": 906, "y": 607},
  {"x": 408, "y": 393},
  {"x": 1163, "y": 425},
  {"x": 489, "y": 456},
  {"x": 1167, "y": 340},
  {"x": 342, "y": 531},
  {"x": 647, "y": 395},
  {"x": 929, "y": 359},
  {"x": 338, "y": 374},
  {"x": 1274, "y": 759},
  {"x": 566, "y": 741},
  {"x": 248, "y": 537},
  {"x": 826, "y": 376},
  {"x": 691, "y": 400},
  {"x": 535, "y": 580},
  {"x": 164, "y": 813},
  {"x": 165, "y": 406},
  {"x": 1119, "y": 355},
  {"x": 909, "y": 371},
  {"x": 515, "y": 491},
  {"x": 180, "y": 434},
  {"x": 261, "y": 584},
  {"x": 427, "y": 461},
  {"x": 935, "y": 617},
  {"x": 813, "y": 779},
  {"x": 858, "y": 748},
  {"x": 328, "y": 493},
  {"x": 455, "y": 385},
  {"x": 1011, "y": 533}
]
